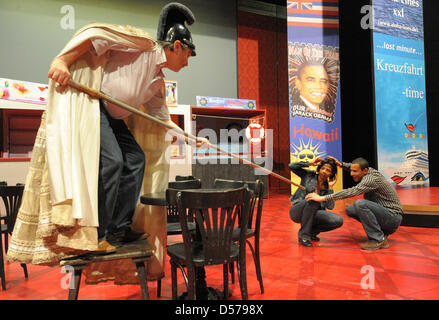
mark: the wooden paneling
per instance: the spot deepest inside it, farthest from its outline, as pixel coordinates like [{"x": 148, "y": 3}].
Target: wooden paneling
[{"x": 262, "y": 75}]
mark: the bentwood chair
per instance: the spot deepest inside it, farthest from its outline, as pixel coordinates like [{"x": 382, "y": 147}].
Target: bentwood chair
[
  {"x": 215, "y": 212},
  {"x": 3, "y": 218},
  {"x": 11, "y": 196},
  {"x": 173, "y": 222},
  {"x": 3, "y": 214},
  {"x": 254, "y": 221}
]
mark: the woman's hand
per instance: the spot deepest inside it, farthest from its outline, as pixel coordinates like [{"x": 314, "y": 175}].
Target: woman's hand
[
  {"x": 316, "y": 162},
  {"x": 332, "y": 182}
]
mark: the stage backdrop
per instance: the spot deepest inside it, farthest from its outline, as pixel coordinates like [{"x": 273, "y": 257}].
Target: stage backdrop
[
  {"x": 314, "y": 73},
  {"x": 400, "y": 97}
]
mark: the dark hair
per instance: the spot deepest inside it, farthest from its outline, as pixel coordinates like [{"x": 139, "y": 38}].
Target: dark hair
[
  {"x": 332, "y": 164},
  {"x": 362, "y": 162}
]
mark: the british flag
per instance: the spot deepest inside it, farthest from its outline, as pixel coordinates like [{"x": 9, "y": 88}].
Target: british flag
[
  {"x": 299, "y": 5},
  {"x": 307, "y": 13}
]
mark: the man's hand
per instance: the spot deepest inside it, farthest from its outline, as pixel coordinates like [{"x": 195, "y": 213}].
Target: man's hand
[
  {"x": 59, "y": 71},
  {"x": 59, "y": 68},
  {"x": 314, "y": 197},
  {"x": 316, "y": 162},
  {"x": 202, "y": 143},
  {"x": 338, "y": 163}
]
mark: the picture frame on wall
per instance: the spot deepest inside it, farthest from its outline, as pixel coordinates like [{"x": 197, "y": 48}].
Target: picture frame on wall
[{"x": 171, "y": 93}]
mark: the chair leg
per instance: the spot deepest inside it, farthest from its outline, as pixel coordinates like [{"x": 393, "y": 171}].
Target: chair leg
[
  {"x": 142, "y": 278},
  {"x": 6, "y": 242},
  {"x": 232, "y": 271},
  {"x": 174, "y": 281},
  {"x": 257, "y": 261},
  {"x": 2, "y": 273},
  {"x": 3, "y": 281},
  {"x": 24, "y": 270},
  {"x": 159, "y": 288},
  {"x": 242, "y": 273},
  {"x": 2, "y": 266},
  {"x": 226, "y": 281},
  {"x": 258, "y": 266}
]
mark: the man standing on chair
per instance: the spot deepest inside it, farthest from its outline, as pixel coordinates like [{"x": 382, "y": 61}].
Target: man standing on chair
[
  {"x": 380, "y": 212},
  {"x": 87, "y": 166}
]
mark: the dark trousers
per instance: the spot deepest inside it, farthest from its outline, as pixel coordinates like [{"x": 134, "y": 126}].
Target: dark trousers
[
  {"x": 121, "y": 168},
  {"x": 312, "y": 219},
  {"x": 377, "y": 221}
]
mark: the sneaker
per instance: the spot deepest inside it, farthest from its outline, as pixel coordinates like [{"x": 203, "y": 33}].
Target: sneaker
[{"x": 375, "y": 245}]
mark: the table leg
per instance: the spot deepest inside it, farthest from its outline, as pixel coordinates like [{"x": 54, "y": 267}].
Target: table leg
[{"x": 203, "y": 292}]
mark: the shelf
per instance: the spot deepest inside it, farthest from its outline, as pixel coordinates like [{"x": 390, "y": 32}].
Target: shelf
[
  {"x": 230, "y": 112},
  {"x": 13, "y": 104},
  {"x": 24, "y": 159}
]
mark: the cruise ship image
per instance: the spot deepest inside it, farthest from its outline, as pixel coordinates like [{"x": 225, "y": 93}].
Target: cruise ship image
[{"x": 413, "y": 171}]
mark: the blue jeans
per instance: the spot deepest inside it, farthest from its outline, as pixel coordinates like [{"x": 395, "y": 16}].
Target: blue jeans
[
  {"x": 312, "y": 219},
  {"x": 121, "y": 168},
  {"x": 377, "y": 221}
]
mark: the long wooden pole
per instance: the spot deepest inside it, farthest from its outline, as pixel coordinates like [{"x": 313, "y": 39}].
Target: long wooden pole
[{"x": 97, "y": 94}]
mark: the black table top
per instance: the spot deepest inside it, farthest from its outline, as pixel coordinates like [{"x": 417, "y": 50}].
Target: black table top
[
  {"x": 159, "y": 198},
  {"x": 154, "y": 199}
]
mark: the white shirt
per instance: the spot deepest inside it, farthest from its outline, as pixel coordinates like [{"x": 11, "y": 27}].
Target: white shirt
[{"x": 134, "y": 77}]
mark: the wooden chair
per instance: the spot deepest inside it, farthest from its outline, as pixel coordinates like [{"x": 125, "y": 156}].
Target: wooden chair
[
  {"x": 2, "y": 214},
  {"x": 11, "y": 196},
  {"x": 215, "y": 214},
  {"x": 173, "y": 222},
  {"x": 254, "y": 221},
  {"x": 173, "y": 226}
]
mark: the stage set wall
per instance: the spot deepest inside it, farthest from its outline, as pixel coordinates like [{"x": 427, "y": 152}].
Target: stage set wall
[
  {"x": 240, "y": 54},
  {"x": 263, "y": 76}
]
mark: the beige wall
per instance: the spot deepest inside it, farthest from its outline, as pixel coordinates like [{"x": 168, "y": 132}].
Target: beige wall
[{"x": 13, "y": 172}]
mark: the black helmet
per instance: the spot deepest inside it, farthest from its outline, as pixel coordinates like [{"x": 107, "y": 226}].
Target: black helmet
[{"x": 172, "y": 26}]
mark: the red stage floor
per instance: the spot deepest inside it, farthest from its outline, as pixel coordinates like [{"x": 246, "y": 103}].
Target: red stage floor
[{"x": 335, "y": 268}]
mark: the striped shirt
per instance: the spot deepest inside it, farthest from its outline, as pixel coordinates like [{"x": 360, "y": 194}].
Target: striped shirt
[
  {"x": 375, "y": 187},
  {"x": 134, "y": 77}
]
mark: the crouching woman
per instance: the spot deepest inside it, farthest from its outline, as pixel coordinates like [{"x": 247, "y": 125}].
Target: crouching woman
[{"x": 313, "y": 216}]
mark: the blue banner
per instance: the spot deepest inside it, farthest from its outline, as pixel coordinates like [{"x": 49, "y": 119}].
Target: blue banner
[
  {"x": 400, "y": 95},
  {"x": 314, "y": 73}
]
